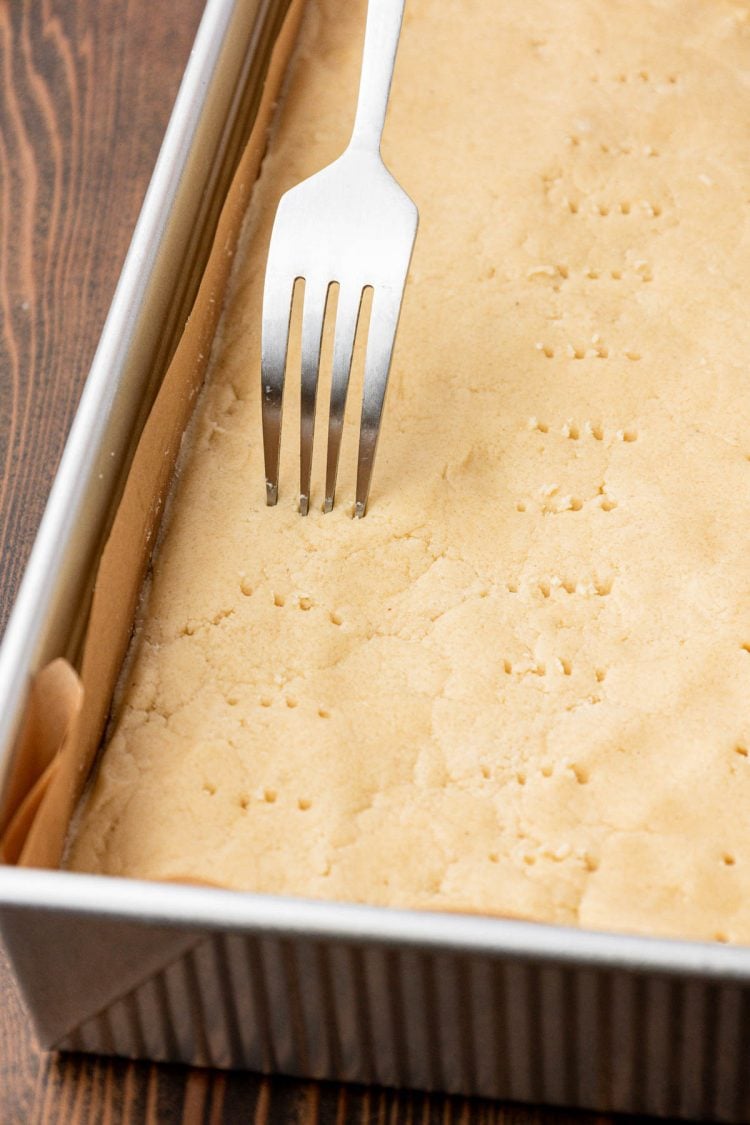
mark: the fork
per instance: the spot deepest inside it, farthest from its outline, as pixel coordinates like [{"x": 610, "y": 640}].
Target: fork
[{"x": 353, "y": 225}]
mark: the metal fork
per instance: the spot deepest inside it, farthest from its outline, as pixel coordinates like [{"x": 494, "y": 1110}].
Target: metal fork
[{"x": 353, "y": 225}]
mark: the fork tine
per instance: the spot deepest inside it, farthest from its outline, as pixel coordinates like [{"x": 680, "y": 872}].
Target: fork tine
[
  {"x": 347, "y": 318},
  {"x": 386, "y": 309},
  {"x": 313, "y": 316},
  {"x": 277, "y": 310}
]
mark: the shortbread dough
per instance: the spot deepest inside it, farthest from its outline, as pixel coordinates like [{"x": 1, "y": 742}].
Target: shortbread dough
[{"x": 520, "y": 685}]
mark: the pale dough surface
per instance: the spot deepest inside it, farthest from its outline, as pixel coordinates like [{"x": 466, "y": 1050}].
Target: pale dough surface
[{"x": 521, "y": 683}]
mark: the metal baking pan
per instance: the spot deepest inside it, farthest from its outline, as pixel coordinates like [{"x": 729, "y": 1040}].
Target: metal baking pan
[{"x": 448, "y": 1002}]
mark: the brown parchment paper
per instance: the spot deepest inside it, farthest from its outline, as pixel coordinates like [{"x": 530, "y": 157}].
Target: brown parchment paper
[
  {"x": 52, "y": 771},
  {"x": 55, "y": 701}
]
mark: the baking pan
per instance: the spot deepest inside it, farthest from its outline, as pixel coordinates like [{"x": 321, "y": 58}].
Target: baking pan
[{"x": 462, "y": 1004}]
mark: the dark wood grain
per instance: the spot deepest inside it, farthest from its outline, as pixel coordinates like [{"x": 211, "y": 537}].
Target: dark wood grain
[{"x": 85, "y": 91}]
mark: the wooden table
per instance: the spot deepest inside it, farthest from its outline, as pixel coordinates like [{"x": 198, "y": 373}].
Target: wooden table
[{"x": 86, "y": 87}]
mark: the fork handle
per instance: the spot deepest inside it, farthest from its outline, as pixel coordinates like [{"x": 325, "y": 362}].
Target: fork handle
[{"x": 378, "y": 59}]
